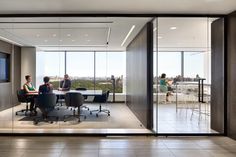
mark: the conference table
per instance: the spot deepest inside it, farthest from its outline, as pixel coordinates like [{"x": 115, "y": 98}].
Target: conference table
[{"x": 83, "y": 92}]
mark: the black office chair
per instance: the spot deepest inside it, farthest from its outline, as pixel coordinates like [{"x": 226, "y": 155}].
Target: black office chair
[
  {"x": 85, "y": 97},
  {"x": 46, "y": 103},
  {"x": 74, "y": 100},
  {"x": 101, "y": 99},
  {"x": 22, "y": 98}
]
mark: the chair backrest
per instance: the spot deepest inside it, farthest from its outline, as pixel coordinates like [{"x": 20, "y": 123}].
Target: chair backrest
[
  {"x": 21, "y": 95},
  {"x": 46, "y": 100},
  {"x": 74, "y": 99},
  {"x": 102, "y": 98},
  {"x": 81, "y": 88}
]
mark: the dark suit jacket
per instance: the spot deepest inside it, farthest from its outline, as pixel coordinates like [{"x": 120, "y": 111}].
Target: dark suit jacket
[{"x": 65, "y": 84}]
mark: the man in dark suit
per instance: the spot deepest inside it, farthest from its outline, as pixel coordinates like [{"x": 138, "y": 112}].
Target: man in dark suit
[{"x": 65, "y": 84}]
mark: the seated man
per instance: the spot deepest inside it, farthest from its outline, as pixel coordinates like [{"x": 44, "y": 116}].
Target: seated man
[{"x": 65, "y": 84}]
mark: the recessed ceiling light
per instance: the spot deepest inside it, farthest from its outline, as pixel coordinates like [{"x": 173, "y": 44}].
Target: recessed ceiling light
[
  {"x": 159, "y": 37},
  {"x": 45, "y": 40},
  {"x": 68, "y": 35},
  {"x": 54, "y": 35},
  {"x": 60, "y": 40},
  {"x": 173, "y": 28}
]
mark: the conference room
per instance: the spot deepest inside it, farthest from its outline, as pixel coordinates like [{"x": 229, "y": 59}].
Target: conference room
[
  {"x": 114, "y": 68},
  {"x": 92, "y": 51}
]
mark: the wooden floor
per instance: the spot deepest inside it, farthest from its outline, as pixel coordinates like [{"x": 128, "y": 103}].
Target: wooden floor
[{"x": 117, "y": 147}]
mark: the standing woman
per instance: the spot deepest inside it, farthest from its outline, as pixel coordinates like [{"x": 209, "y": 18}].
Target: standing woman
[
  {"x": 164, "y": 83},
  {"x": 29, "y": 89}
]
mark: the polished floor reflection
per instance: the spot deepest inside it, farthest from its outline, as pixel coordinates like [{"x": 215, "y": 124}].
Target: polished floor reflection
[
  {"x": 117, "y": 147},
  {"x": 183, "y": 120},
  {"x": 121, "y": 120}
]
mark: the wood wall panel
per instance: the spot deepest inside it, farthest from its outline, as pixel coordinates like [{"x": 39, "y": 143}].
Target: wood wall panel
[
  {"x": 139, "y": 76},
  {"x": 231, "y": 75},
  {"x": 217, "y": 75}
]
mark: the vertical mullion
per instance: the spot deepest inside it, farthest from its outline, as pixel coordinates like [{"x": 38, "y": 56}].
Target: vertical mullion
[
  {"x": 182, "y": 64},
  {"x": 94, "y": 69},
  {"x": 65, "y": 62}
]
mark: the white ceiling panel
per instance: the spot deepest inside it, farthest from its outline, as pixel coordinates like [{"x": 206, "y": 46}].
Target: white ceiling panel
[{"x": 118, "y": 6}]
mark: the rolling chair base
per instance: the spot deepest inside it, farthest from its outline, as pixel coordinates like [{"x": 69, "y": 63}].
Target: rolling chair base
[
  {"x": 78, "y": 115},
  {"x": 25, "y": 111},
  {"x": 85, "y": 107},
  {"x": 100, "y": 110}
]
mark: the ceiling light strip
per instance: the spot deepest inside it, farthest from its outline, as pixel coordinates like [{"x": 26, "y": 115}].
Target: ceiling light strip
[
  {"x": 127, "y": 36},
  {"x": 108, "y": 35}
]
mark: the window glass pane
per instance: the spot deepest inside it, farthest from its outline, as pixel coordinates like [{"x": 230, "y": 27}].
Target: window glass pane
[
  {"x": 169, "y": 63},
  {"x": 108, "y": 64},
  {"x": 196, "y": 63},
  {"x": 80, "y": 68},
  {"x": 50, "y": 64}
]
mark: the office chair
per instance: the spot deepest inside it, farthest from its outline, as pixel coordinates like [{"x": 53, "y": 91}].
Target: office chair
[
  {"x": 85, "y": 97},
  {"x": 22, "y": 98},
  {"x": 74, "y": 100},
  {"x": 46, "y": 103},
  {"x": 101, "y": 99}
]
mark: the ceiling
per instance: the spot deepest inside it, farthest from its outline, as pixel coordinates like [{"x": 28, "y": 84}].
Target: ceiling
[
  {"x": 84, "y": 34},
  {"x": 105, "y": 34},
  {"x": 184, "y": 34},
  {"x": 118, "y": 6}
]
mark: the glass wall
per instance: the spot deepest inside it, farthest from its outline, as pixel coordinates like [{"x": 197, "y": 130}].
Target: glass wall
[
  {"x": 183, "y": 54},
  {"x": 46, "y": 66},
  {"x": 90, "y": 70}
]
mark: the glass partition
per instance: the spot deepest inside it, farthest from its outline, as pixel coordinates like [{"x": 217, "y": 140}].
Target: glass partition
[{"x": 182, "y": 75}]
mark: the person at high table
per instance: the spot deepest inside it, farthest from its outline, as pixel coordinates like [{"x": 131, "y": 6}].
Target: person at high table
[
  {"x": 65, "y": 85},
  {"x": 30, "y": 89},
  {"x": 165, "y": 86}
]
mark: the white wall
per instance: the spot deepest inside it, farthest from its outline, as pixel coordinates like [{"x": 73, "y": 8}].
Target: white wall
[{"x": 28, "y": 63}]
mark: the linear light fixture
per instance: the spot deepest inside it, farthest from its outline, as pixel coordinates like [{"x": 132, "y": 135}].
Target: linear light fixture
[
  {"x": 10, "y": 41},
  {"x": 130, "y": 31},
  {"x": 108, "y": 35}
]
